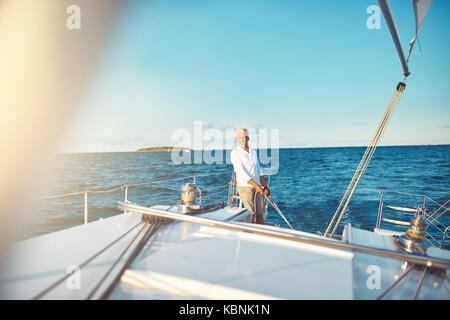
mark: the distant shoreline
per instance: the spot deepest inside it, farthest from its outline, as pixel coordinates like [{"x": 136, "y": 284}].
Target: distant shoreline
[{"x": 163, "y": 149}]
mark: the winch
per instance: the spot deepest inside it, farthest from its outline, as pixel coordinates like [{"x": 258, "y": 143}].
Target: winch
[
  {"x": 189, "y": 197},
  {"x": 410, "y": 242}
]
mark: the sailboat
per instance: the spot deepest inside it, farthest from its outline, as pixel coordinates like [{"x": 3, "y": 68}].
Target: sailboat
[{"x": 188, "y": 250}]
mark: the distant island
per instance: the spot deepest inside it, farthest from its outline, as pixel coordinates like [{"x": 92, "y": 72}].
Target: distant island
[{"x": 163, "y": 149}]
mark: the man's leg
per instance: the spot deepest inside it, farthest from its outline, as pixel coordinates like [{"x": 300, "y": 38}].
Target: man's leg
[
  {"x": 259, "y": 205},
  {"x": 247, "y": 195}
]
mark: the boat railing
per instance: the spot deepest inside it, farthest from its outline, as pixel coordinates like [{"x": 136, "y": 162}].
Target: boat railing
[
  {"x": 398, "y": 217},
  {"x": 233, "y": 195},
  {"x": 125, "y": 187}
]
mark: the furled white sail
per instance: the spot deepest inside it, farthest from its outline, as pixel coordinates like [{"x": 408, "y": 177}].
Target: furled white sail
[
  {"x": 421, "y": 8},
  {"x": 388, "y": 17}
]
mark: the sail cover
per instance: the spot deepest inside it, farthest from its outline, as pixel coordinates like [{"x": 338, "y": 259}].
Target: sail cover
[{"x": 421, "y": 8}]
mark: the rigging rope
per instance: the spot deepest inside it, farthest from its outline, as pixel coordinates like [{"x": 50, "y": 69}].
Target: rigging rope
[
  {"x": 137, "y": 250},
  {"x": 365, "y": 160},
  {"x": 150, "y": 230}
]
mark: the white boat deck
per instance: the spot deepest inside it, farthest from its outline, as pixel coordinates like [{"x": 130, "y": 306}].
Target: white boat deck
[
  {"x": 35, "y": 264},
  {"x": 186, "y": 260},
  {"x": 189, "y": 261},
  {"x": 433, "y": 286}
]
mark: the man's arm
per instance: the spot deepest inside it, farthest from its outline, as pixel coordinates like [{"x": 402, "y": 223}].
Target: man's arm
[
  {"x": 257, "y": 186},
  {"x": 263, "y": 183},
  {"x": 261, "y": 179}
]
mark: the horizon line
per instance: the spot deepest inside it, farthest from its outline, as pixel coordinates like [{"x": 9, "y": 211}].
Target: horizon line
[{"x": 316, "y": 147}]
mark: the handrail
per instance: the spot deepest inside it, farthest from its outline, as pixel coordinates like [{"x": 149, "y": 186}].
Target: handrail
[
  {"x": 291, "y": 236},
  {"x": 418, "y": 195},
  {"x": 122, "y": 187},
  {"x": 445, "y": 235},
  {"x": 125, "y": 186},
  {"x": 430, "y": 219}
]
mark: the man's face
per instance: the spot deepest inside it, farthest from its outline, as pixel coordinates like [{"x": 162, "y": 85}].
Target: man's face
[{"x": 242, "y": 139}]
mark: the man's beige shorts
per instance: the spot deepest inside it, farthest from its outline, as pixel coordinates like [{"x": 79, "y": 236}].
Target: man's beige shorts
[{"x": 252, "y": 200}]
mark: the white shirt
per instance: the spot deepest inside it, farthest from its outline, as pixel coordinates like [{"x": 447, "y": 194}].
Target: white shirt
[{"x": 246, "y": 166}]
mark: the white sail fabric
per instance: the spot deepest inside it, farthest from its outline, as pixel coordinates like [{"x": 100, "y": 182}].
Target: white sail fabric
[
  {"x": 421, "y": 8},
  {"x": 388, "y": 17}
]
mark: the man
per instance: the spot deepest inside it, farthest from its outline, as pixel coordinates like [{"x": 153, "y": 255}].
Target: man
[{"x": 248, "y": 172}]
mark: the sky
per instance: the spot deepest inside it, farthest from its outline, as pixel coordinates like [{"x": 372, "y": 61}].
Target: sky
[{"x": 176, "y": 72}]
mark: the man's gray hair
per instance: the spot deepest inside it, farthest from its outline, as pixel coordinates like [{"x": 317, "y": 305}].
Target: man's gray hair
[{"x": 242, "y": 130}]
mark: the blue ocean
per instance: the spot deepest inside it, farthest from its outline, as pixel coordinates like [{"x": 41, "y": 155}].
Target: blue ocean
[{"x": 307, "y": 188}]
